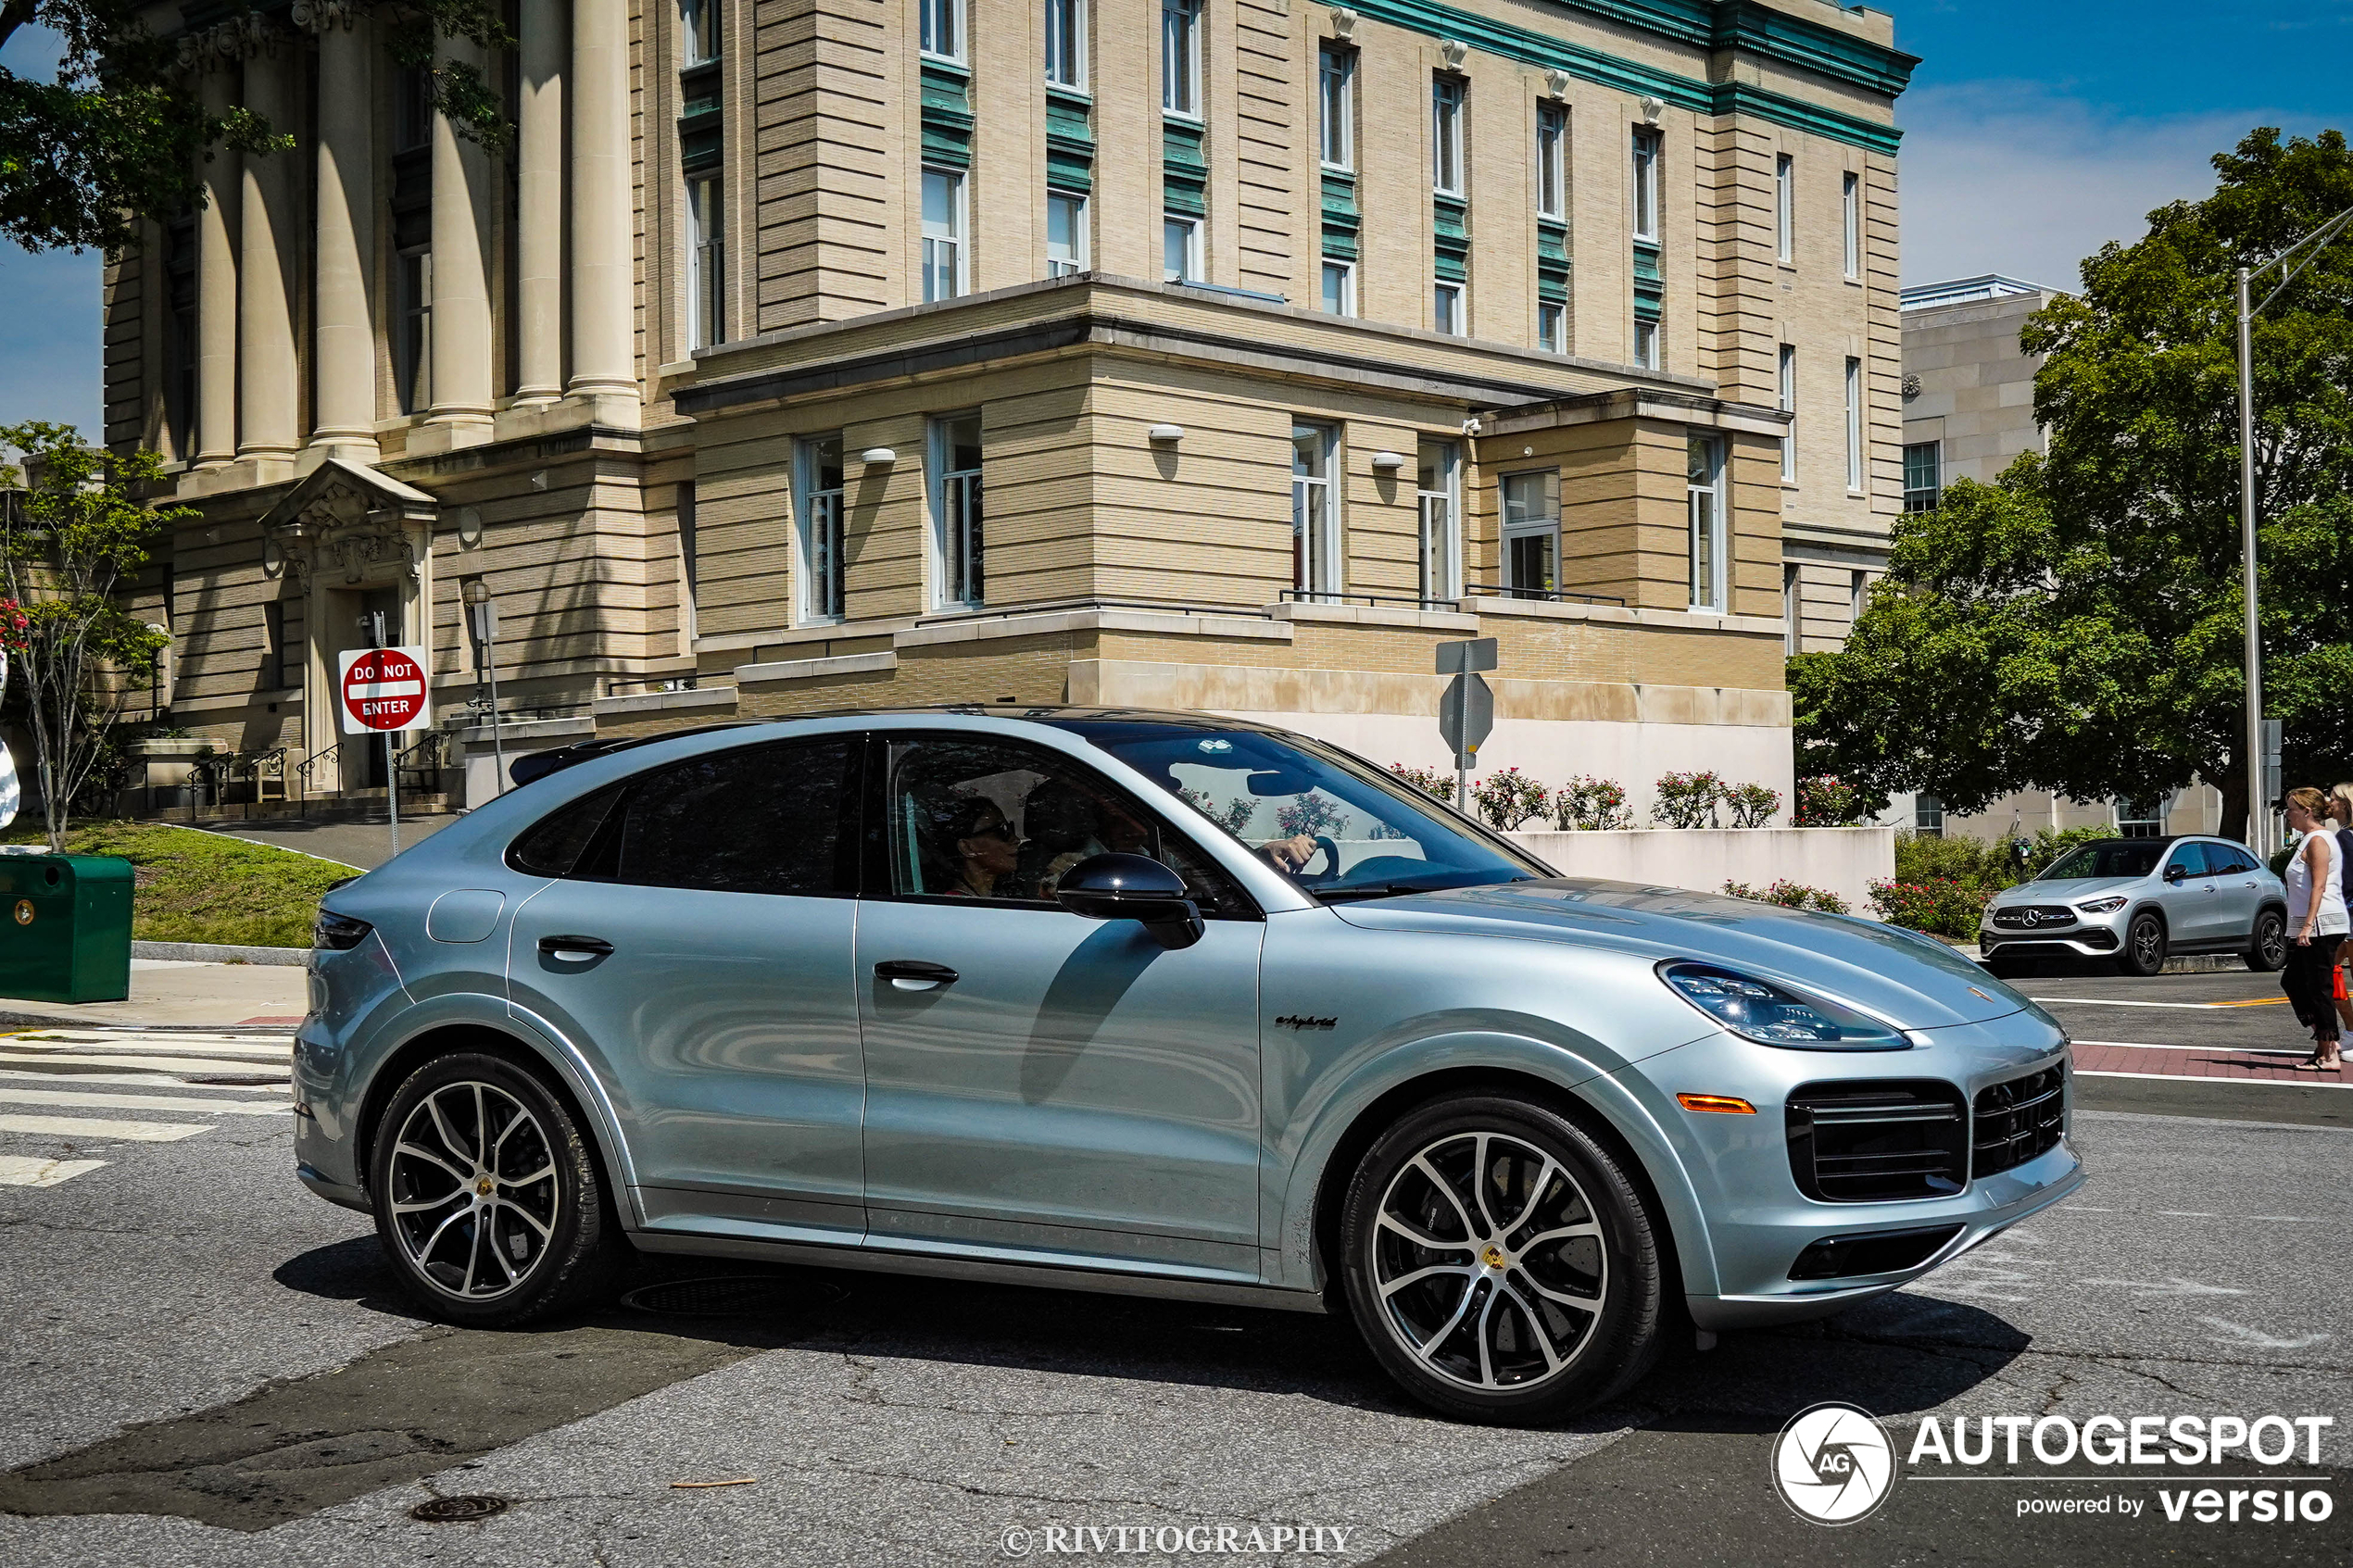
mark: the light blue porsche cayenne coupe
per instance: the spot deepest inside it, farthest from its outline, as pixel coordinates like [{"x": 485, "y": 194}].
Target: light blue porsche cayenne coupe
[{"x": 1146, "y": 1002}]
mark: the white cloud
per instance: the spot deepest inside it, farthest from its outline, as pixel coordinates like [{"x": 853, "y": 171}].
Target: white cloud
[{"x": 2001, "y": 177}]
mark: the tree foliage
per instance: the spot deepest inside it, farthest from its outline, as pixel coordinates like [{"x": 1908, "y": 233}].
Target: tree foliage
[{"x": 2077, "y": 625}]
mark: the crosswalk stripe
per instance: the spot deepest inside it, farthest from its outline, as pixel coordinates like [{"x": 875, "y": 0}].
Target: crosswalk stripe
[
  {"x": 146, "y": 1063},
  {"x": 17, "y": 1171},
  {"x": 144, "y": 1077},
  {"x": 13, "y": 1096},
  {"x": 130, "y": 1052},
  {"x": 101, "y": 1127}
]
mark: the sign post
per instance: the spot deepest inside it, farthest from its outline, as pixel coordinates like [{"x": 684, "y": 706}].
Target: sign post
[
  {"x": 1467, "y": 711},
  {"x": 383, "y": 691}
]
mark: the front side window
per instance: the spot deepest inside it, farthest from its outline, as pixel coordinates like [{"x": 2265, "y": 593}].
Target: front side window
[
  {"x": 1788, "y": 403},
  {"x": 956, "y": 501},
  {"x": 412, "y": 350},
  {"x": 819, "y": 478},
  {"x": 1853, "y": 424},
  {"x": 1067, "y": 43},
  {"x": 1551, "y": 329},
  {"x": 1647, "y": 150},
  {"x": 1437, "y": 488},
  {"x": 1066, "y": 235},
  {"x": 1552, "y": 160},
  {"x": 1340, "y": 287},
  {"x": 1179, "y": 249},
  {"x": 1923, "y": 475},
  {"x": 1784, "y": 207},
  {"x": 1446, "y": 134},
  {"x": 1446, "y": 312},
  {"x": 706, "y": 264},
  {"x": 1314, "y": 525},
  {"x": 1180, "y": 57},
  {"x": 697, "y": 32},
  {"x": 943, "y": 28},
  {"x": 1704, "y": 493},
  {"x": 943, "y": 234},
  {"x": 1532, "y": 535},
  {"x": 1646, "y": 345},
  {"x": 1336, "y": 105},
  {"x": 1851, "y": 223}
]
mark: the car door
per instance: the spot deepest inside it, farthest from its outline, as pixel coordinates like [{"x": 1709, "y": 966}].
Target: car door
[
  {"x": 2188, "y": 899},
  {"x": 2237, "y": 891},
  {"x": 1040, "y": 1084},
  {"x": 694, "y": 939}
]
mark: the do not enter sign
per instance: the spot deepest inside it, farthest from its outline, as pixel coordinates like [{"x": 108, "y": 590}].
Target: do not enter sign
[{"x": 383, "y": 689}]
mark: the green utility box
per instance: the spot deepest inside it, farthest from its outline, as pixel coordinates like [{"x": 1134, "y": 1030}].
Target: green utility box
[{"x": 65, "y": 928}]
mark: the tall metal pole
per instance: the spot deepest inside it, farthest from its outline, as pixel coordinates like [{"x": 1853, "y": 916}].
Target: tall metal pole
[
  {"x": 2258, "y": 817},
  {"x": 497, "y": 746}
]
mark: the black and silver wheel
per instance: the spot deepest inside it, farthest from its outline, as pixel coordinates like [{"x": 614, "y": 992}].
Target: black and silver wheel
[
  {"x": 487, "y": 1196},
  {"x": 2267, "y": 948},
  {"x": 2144, "y": 950},
  {"x": 1499, "y": 1261}
]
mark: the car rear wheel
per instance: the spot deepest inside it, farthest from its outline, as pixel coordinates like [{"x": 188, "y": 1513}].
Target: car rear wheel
[
  {"x": 1500, "y": 1263},
  {"x": 2267, "y": 948},
  {"x": 487, "y": 1196},
  {"x": 2143, "y": 953}
]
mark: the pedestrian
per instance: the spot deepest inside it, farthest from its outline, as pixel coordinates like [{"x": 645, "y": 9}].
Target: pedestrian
[
  {"x": 2341, "y": 813},
  {"x": 2317, "y": 925}
]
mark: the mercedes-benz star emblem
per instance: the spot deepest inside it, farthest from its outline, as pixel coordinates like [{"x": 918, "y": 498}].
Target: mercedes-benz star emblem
[{"x": 1833, "y": 1463}]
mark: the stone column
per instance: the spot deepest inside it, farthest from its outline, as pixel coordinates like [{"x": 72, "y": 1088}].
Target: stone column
[
  {"x": 539, "y": 235},
  {"x": 462, "y": 390},
  {"x": 603, "y": 335},
  {"x": 345, "y": 365},
  {"x": 216, "y": 280},
  {"x": 269, "y": 382}
]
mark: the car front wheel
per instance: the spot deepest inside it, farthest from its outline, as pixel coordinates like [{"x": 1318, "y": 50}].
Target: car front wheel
[
  {"x": 2267, "y": 950},
  {"x": 2143, "y": 953},
  {"x": 1500, "y": 1262}
]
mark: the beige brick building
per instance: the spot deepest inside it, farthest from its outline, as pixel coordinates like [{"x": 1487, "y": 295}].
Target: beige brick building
[{"x": 1220, "y": 353}]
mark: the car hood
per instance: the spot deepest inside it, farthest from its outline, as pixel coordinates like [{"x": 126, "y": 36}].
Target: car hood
[
  {"x": 1913, "y": 981},
  {"x": 2066, "y": 891}
]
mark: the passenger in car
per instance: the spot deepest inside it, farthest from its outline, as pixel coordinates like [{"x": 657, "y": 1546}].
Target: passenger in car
[{"x": 985, "y": 851}]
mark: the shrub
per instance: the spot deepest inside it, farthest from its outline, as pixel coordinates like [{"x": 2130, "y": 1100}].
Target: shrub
[
  {"x": 2046, "y": 846},
  {"x": 1592, "y": 805},
  {"x": 1751, "y": 805},
  {"x": 1827, "y": 803},
  {"x": 1509, "y": 797},
  {"x": 1790, "y": 895},
  {"x": 1687, "y": 800},
  {"x": 1430, "y": 780},
  {"x": 1938, "y": 906},
  {"x": 1309, "y": 814},
  {"x": 1968, "y": 861}
]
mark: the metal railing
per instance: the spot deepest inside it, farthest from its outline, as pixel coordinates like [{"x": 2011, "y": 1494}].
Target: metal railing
[
  {"x": 1546, "y": 595},
  {"x": 1318, "y": 596},
  {"x": 321, "y": 771}
]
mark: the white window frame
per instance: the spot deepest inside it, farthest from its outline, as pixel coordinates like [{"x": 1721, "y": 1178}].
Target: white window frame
[
  {"x": 1180, "y": 26},
  {"x": 412, "y": 365},
  {"x": 1851, "y": 222},
  {"x": 1859, "y": 594},
  {"x": 1649, "y": 352},
  {"x": 953, "y": 239},
  {"x": 1928, "y": 816},
  {"x": 1785, "y": 207},
  {"x": 1347, "y": 271},
  {"x": 1552, "y": 327},
  {"x": 1552, "y": 161},
  {"x": 1853, "y": 425},
  {"x": 1543, "y": 524},
  {"x": 1448, "y": 94},
  {"x": 1705, "y": 535},
  {"x": 1077, "y": 260},
  {"x": 1792, "y": 605},
  {"x": 1192, "y": 227},
  {"x": 1786, "y": 389},
  {"x": 1315, "y": 510},
  {"x": 1443, "y": 289},
  {"x": 1066, "y": 43},
  {"x": 706, "y": 263},
  {"x": 1336, "y": 105},
  {"x": 940, "y": 28},
  {"x": 961, "y": 582},
  {"x": 1936, "y": 489},
  {"x": 1649, "y": 147},
  {"x": 1440, "y": 513},
  {"x": 822, "y": 515}
]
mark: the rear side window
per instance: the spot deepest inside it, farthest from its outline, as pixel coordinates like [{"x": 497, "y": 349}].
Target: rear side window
[
  {"x": 553, "y": 844},
  {"x": 2226, "y": 859}
]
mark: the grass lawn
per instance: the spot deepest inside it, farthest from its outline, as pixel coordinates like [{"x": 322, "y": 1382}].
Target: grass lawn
[{"x": 194, "y": 887}]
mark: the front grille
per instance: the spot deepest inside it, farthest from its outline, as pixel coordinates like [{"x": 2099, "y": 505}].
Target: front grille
[
  {"x": 2018, "y": 1120},
  {"x": 1881, "y": 1252},
  {"x": 1870, "y": 1140},
  {"x": 2034, "y": 917}
]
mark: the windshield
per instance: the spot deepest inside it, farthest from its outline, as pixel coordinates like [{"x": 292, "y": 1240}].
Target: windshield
[
  {"x": 2119, "y": 858},
  {"x": 1337, "y": 827}
]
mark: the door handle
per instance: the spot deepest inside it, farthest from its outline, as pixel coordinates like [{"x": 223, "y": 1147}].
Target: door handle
[
  {"x": 914, "y": 975},
  {"x": 574, "y": 949}
]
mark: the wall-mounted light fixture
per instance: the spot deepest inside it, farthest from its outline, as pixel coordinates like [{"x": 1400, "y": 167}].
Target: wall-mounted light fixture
[
  {"x": 1158, "y": 435},
  {"x": 1387, "y": 462},
  {"x": 878, "y": 457}
]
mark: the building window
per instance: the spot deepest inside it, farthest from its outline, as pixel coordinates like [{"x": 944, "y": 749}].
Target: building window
[
  {"x": 412, "y": 348},
  {"x": 943, "y": 28},
  {"x": 2134, "y": 819},
  {"x": 1859, "y": 594},
  {"x": 1851, "y": 221},
  {"x": 1793, "y": 604},
  {"x": 1439, "y": 491},
  {"x": 1703, "y": 492},
  {"x": 689, "y": 563},
  {"x": 179, "y": 381},
  {"x": 1646, "y": 148},
  {"x": 706, "y": 263},
  {"x": 697, "y": 33},
  {"x": 1179, "y": 249},
  {"x": 1315, "y": 521},
  {"x": 1447, "y": 313},
  {"x": 943, "y": 234},
  {"x": 279, "y": 670},
  {"x": 1552, "y": 161},
  {"x": 1336, "y": 103},
  {"x": 1552, "y": 327},
  {"x": 1928, "y": 816},
  {"x": 1066, "y": 43},
  {"x": 1340, "y": 287},
  {"x": 819, "y": 477},
  {"x": 1853, "y": 423},
  {"x": 955, "y": 458},
  {"x": 1785, "y": 207},
  {"x": 1180, "y": 57},
  {"x": 1787, "y": 404},
  {"x": 1532, "y": 535},
  {"x": 1923, "y": 475},
  {"x": 411, "y": 109},
  {"x": 1446, "y": 134},
  {"x": 1066, "y": 235},
  {"x": 1646, "y": 348}
]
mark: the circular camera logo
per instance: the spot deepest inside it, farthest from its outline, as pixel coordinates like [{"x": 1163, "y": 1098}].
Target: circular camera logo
[{"x": 1833, "y": 1463}]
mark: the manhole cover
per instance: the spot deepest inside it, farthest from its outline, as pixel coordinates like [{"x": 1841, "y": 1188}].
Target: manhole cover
[
  {"x": 458, "y": 1511},
  {"x": 235, "y": 1080},
  {"x": 732, "y": 1296}
]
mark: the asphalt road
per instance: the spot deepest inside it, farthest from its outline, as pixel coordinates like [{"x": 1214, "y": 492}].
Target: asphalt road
[
  {"x": 363, "y": 843},
  {"x": 206, "y": 1365}
]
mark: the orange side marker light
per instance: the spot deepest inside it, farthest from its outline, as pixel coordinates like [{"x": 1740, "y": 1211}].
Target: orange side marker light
[{"x": 1728, "y": 1104}]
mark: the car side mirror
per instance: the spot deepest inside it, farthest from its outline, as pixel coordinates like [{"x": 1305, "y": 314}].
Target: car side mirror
[
  {"x": 2176, "y": 873},
  {"x": 1137, "y": 887}
]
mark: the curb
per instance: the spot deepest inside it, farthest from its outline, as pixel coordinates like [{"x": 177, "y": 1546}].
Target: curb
[
  {"x": 206, "y": 952},
  {"x": 12, "y": 1019}
]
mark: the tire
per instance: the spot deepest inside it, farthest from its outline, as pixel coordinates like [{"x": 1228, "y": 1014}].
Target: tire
[
  {"x": 2143, "y": 951},
  {"x": 2267, "y": 946},
  {"x": 1514, "y": 1343},
  {"x": 536, "y": 1208}
]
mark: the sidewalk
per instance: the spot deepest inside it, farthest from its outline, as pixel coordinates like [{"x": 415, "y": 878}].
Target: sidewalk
[{"x": 174, "y": 994}]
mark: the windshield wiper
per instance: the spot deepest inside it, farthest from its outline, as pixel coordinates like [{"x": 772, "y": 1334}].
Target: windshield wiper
[{"x": 1399, "y": 889}]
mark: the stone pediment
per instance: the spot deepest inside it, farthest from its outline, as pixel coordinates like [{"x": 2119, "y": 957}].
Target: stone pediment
[{"x": 345, "y": 523}]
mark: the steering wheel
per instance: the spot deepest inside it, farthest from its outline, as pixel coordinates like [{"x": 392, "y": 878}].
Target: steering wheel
[{"x": 1330, "y": 852}]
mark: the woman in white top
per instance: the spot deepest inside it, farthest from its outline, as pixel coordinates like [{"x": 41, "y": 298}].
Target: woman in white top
[{"x": 2317, "y": 925}]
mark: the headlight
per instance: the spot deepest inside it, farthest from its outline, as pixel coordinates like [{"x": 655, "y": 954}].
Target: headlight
[
  {"x": 338, "y": 932},
  {"x": 1773, "y": 1015},
  {"x": 2102, "y": 906}
]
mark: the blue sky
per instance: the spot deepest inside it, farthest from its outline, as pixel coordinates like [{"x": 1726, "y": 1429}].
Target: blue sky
[{"x": 2033, "y": 132}]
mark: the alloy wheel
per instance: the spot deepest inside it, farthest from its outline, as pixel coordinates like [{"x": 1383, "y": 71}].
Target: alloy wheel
[
  {"x": 2271, "y": 942},
  {"x": 2148, "y": 945},
  {"x": 474, "y": 1195},
  {"x": 1490, "y": 1261}
]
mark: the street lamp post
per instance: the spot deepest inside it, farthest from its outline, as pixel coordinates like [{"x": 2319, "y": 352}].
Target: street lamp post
[
  {"x": 2258, "y": 814},
  {"x": 484, "y": 615}
]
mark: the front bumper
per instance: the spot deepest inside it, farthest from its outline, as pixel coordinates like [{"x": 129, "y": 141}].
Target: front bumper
[{"x": 2087, "y": 935}]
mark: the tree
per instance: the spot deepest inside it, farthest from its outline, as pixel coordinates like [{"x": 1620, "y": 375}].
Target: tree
[
  {"x": 2077, "y": 625},
  {"x": 69, "y": 545},
  {"x": 119, "y": 136}
]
